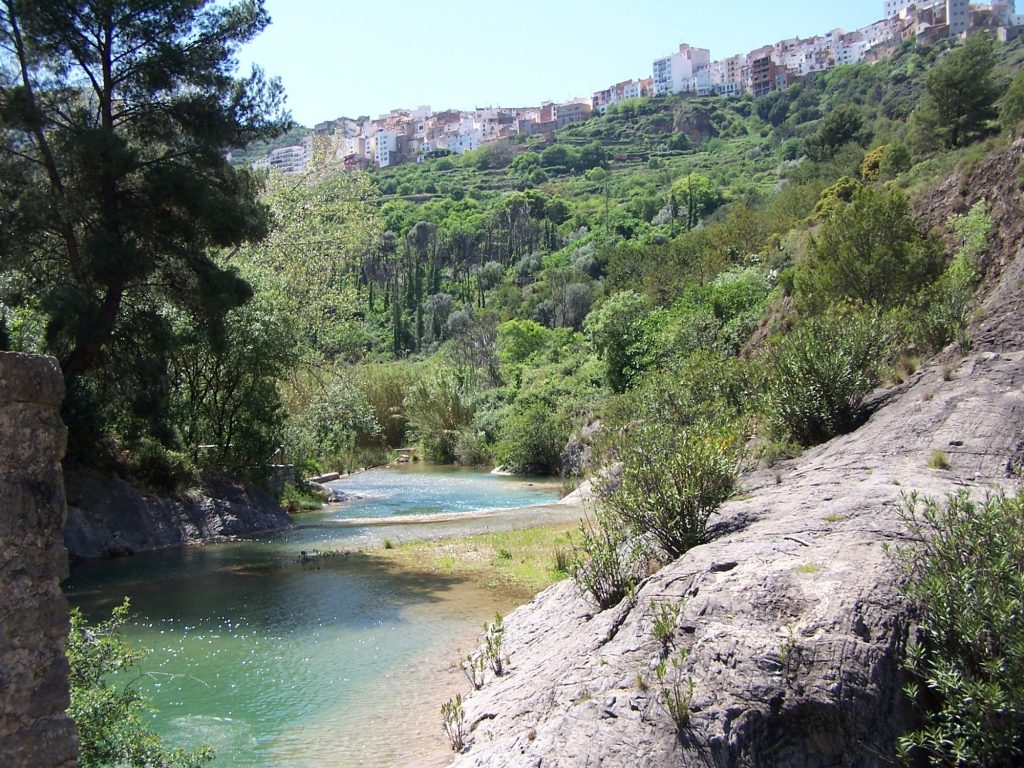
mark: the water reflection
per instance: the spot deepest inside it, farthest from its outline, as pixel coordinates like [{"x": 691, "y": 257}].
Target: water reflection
[{"x": 279, "y": 660}]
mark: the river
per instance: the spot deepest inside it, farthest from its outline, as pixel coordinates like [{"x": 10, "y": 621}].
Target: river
[{"x": 279, "y": 659}]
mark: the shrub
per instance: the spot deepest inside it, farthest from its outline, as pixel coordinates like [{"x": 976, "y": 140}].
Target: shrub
[
  {"x": 109, "y": 718},
  {"x": 606, "y": 564},
  {"x": 967, "y": 583},
  {"x": 532, "y": 437},
  {"x": 675, "y": 689},
  {"x": 819, "y": 374},
  {"x": 870, "y": 250},
  {"x": 671, "y": 481},
  {"x": 453, "y": 722},
  {"x": 619, "y": 333},
  {"x": 327, "y": 430},
  {"x": 161, "y": 469},
  {"x": 439, "y": 406}
]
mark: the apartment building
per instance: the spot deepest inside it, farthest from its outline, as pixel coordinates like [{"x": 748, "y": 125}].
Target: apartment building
[
  {"x": 674, "y": 73},
  {"x": 290, "y": 160},
  {"x": 627, "y": 89}
]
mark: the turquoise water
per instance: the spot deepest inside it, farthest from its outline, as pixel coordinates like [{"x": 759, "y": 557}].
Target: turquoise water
[{"x": 279, "y": 660}]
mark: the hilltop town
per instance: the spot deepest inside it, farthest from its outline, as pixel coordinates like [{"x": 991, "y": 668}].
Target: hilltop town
[{"x": 410, "y": 135}]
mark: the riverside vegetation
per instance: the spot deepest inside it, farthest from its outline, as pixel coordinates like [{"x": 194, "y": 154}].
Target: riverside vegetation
[{"x": 672, "y": 292}]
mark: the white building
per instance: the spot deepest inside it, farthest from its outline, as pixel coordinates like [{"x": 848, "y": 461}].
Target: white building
[
  {"x": 383, "y": 145},
  {"x": 290, "y": 160},
  {"x": 674, "y": 73},
  {"x": 958, "y": 16},
  {"x": 461, "y": 141}
]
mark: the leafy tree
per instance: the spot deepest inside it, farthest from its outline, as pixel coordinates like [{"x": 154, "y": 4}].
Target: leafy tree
[
  {"x": 114, "y": 187},
  {"x": 593, "y": 155},
  {"x": 109, "y": 717},
  {"x": 326, "y": 432},
  {"x": 325, "y": 227},
  {"x": 841, "y": 126},
  {"x": 869, "y": 250},
  {"x": 958, "y": 106},
  {"x": 696, "y": 197},
  {"x": 518, "y": 340},
  {"x": 117, "y": 125},
  {"x": 532, "y": 437},
  {"x": 560, "y": 156},
  {"x": 618, "y": 332},
  {"x": 1011, "y": 110},
  {"x": 226, "y": 394}
]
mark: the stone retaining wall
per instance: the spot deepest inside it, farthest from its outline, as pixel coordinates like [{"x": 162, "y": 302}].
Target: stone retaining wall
[{"x": 34, "y": 731}]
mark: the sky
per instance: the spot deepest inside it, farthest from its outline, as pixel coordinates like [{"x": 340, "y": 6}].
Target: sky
[{"x": 340, "y": 58}]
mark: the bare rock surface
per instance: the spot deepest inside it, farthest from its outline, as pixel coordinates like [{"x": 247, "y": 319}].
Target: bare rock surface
[
  {"x": 108, "y": 516},
  {"x": 791, "y": 616}
]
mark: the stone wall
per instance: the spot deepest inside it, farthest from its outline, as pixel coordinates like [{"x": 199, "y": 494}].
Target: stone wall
[{"x": 34, "y": 731}]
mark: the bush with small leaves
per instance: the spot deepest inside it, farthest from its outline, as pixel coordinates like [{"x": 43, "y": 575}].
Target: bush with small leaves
[
  {"x": 966, "y": 580},
  {"x": 673, "y": 478},
  {"x": 820, "y": 373},
  {"x": 607, "y": 562},
  {"x": 675, "y": 689},
  {"x": 493, "y": 636},
  {"x": 453, "y": 722},
  {"x": 474, "y": 667},
  {"x": 666, "y": 617}
]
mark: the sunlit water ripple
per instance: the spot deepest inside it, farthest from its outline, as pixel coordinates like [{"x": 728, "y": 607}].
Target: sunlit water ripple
[{"x": 279, "y": 661}]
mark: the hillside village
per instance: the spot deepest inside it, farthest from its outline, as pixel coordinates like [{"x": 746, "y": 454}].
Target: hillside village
[{"x": 405, "y": 135}]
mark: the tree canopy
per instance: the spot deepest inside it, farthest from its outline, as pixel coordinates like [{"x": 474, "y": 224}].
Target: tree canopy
[{"x": 115, "y": 121}]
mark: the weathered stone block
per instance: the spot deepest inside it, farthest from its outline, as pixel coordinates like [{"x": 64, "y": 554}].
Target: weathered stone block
[{"x": 35, "y": 732}]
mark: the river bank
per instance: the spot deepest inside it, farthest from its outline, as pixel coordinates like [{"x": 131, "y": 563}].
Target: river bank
[{"x": 317, "y": 644}]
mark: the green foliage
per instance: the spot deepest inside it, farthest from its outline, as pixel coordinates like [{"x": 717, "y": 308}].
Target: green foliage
[
  {"x": 675, "y": 689},
  {"x": 666, "y": 617},
  {"x": 439, "y": 406},
  {"x": 870, "y": 250},
  {"x": 109, "y": 716},
  {"x": 841, "y": 126},
  {"x": 672, "y": 480},
  {"x": 618, "y": 332},
  {"x": 966, "y": 581},
  {"x": 326, "y": 432},
  {"x": 958, "y": 106},
  {"x": 820, "y": 373},
  {"x": 532, "y": 437},
  {"x": 453, "y": 722},
  {"x": 493, "y": 635},
  {"x": 226, "y": 406},
  {"x": 896, "y": 160},
  {"x": 1011, "y": 109},
  {"x": 835, "y": 197},
  {"x": 606, "y": 562},
  {"x": 518, "y": 340},
  {"x": 160, "y": 469},
  {"x": 939, "y": 313},
  {"x": 122, "y": 114}
]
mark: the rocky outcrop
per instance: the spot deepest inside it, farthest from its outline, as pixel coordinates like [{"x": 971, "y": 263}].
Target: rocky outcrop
[
  {"x": 34, "y": 731},
  {"x": 790, "y": 618},
  {"x": 108, "y": 516}
]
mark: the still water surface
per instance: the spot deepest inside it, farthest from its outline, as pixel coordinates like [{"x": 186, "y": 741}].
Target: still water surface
[{"x": 277, "y": 660}]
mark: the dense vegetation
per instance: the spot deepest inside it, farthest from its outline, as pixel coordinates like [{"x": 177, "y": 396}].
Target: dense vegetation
[
  {"x": 967, "y": 667},
  {"x": 672, "y": 291},
  {"x": 483, "y": 307}
]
